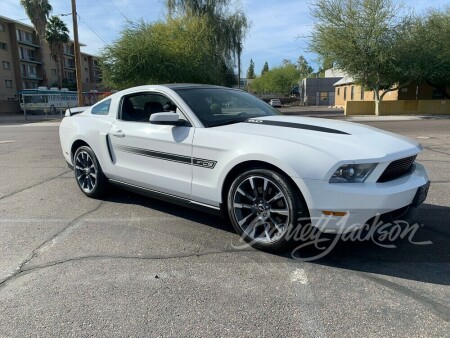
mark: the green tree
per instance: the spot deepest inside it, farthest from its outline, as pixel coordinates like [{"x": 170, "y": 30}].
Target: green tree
[
  {"x": 56, "y": 35},
  {"x": 278, "y": 80},
  {"x": 265, "y": 68},
  {"x": 365, "y": 38},
  {"x": 179, "y": 50},
  {"x": 433, "y": 55},
  {"x": 303, "y": 67},
  {"x": 251, "y": 70},
  {"x": 228, "y": 24},
  {"x": 38, "y": 11}
]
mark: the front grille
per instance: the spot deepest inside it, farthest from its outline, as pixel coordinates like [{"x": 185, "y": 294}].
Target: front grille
[{"x": 398, "y": 169}]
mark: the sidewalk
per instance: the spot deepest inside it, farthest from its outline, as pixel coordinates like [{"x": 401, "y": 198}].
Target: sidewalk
[{"x": 20, "y": 118}]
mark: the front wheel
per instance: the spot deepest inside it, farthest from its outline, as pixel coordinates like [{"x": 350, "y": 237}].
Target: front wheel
[
  {"x": 88, "y": 173},
  {"x": 266, "y": 209}
]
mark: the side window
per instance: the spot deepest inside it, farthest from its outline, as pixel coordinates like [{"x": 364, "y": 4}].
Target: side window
[
  {"x": 101, "y": 108},
  {"x": 139, "y": 107}
]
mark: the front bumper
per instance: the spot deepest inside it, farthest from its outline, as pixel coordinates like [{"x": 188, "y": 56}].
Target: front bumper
[{"x": 360, "y": 201}]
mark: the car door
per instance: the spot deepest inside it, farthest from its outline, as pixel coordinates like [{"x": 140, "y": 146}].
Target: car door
[{"x": 155, "y": 157}]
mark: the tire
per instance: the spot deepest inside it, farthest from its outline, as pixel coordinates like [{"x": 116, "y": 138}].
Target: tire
[
  {"x": 88, "y": 173},
  {"x": 264, "y": 209}
]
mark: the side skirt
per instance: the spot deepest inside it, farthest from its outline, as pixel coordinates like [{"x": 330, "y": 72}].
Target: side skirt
[{"x": 169, "y": 198}]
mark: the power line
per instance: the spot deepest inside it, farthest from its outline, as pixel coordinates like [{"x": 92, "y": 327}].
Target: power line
[
  {"x": 120, "y": 12},
  {"x": 92, "y": 29},
  {"x": 62, "y": 14}
]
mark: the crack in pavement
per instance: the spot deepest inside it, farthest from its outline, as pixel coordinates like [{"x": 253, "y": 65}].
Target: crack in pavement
[
  {"x": 35, "y": 185},
  {"x": 442, "y": 311},
  {"x": 37, "y": 250},
  {"x": 436, "y": 151},
  {"x": 22, "y": 271}
]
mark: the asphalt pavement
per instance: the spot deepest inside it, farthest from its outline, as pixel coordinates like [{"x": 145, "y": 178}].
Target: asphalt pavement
[{"x": 134, "y": 266}]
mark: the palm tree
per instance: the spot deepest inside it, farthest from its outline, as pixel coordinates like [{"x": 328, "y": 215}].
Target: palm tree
[
  {"x": 38, "y": 11},
  {"x": 57, "y": 34}
]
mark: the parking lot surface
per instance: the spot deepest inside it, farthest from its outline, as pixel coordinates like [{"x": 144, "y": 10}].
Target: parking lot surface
[{"x": 134, "y": 266}]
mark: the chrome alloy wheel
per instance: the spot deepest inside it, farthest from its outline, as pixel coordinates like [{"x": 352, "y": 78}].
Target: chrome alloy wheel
[
  {"x": 261, "y": 209},
  {"x": 85, "y": 171}
]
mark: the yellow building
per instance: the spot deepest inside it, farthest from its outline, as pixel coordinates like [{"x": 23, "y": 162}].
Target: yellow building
[{"x": 347, "y": 90}]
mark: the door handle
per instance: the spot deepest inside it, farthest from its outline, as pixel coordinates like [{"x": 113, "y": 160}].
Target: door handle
[{"x": 118, "y": 133}]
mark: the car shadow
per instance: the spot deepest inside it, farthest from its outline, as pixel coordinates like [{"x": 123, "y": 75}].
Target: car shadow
[
  {"x": 122, "y": 196},
  {"x": 410, "y": 258}
]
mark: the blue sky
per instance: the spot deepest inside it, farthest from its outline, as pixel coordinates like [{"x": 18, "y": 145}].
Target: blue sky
[{"x": 276, "y": 32}]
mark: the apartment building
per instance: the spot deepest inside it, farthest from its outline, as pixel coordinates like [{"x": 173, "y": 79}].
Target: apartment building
[{"x": 21, "y": 62}]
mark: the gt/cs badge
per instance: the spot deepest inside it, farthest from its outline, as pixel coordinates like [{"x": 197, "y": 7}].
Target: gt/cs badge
[{"x": 204, "y": 163}]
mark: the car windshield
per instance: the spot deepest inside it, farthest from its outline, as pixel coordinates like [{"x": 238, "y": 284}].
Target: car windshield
[{"x": 220, "y": 106}]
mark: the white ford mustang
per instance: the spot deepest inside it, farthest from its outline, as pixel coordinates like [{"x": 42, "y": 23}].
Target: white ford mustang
[{"x": 224, "y": 150}]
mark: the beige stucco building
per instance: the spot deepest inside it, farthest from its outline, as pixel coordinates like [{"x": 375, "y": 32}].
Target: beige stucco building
[{"x": 346, "y": 90}]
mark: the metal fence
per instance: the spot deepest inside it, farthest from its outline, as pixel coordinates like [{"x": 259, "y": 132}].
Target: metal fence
[{"x": 54, "y": 105}]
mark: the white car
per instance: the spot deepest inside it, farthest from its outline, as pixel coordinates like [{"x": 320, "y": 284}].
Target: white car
[
  {"x": 275, "y": 102},
  {"x": 266, "y": 172}
]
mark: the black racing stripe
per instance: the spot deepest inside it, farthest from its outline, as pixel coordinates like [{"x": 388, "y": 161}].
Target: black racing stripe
[
  {"x": 198, "y": 162},
  {"x": 296, "y": 125},
  {"x": 156, "y": 154}
]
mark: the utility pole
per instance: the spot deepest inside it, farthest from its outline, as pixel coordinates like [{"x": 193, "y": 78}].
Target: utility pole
[{"x": 77, "y": 55}]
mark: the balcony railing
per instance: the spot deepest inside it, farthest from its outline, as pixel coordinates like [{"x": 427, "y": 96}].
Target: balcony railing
[
  {"x": 30, "y": 59},
  {"x": 28, "y": 43}
]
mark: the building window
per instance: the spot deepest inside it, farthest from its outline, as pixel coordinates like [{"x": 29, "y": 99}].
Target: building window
[
  {"x": 2, "y": 27},
  {"x": 438, "y": 94},
  {"x": 8, "y": 83},
  {"x": 345, "y": 93},
  {"x": 24, "y": 36},
  {"x": 362, "y": 94},
  {"x": 6, "y": 65},
  {"x": 3, "y": 45},
  {"x": 29, "y": 71},
  {"x": 352, "y": 93},
  {"x": 53, "y": 72},
  {"x": 30, "y": 85},
  {"x": 87, "y": 80},
  {"x": 27, "y": 54},
  {"x": 339, "y": 91}
]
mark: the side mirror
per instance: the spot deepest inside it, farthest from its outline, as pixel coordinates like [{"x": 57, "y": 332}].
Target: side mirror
[{"x": 168, "y": 119}]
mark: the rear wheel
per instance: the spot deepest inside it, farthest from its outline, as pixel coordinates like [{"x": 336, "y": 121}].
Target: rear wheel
[
  {"x": 265, "y": 208},
  {"x": 88, "y": 173}
]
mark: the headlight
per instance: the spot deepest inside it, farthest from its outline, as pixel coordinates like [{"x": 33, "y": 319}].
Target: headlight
[{"x": 353, "y": 173}]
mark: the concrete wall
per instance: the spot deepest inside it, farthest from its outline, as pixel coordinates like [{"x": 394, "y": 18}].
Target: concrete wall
[
  {"x": 403, "y": 107},
  {"x": 9, "y": 107}
]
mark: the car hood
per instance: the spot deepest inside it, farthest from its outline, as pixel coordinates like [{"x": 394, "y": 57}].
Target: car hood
[{"x": 340, "y": 139}]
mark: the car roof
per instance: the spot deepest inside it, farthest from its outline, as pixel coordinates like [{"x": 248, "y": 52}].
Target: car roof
[{"x": 190, "y": 86}]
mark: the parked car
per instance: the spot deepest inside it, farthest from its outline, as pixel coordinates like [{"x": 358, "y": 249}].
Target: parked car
[
  {"x": 262, "y": 170},
  {"x": 275, "y": 102}
]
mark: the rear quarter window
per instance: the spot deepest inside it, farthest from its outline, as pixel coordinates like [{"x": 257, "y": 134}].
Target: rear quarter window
[{"x": 101, "y": 108}]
